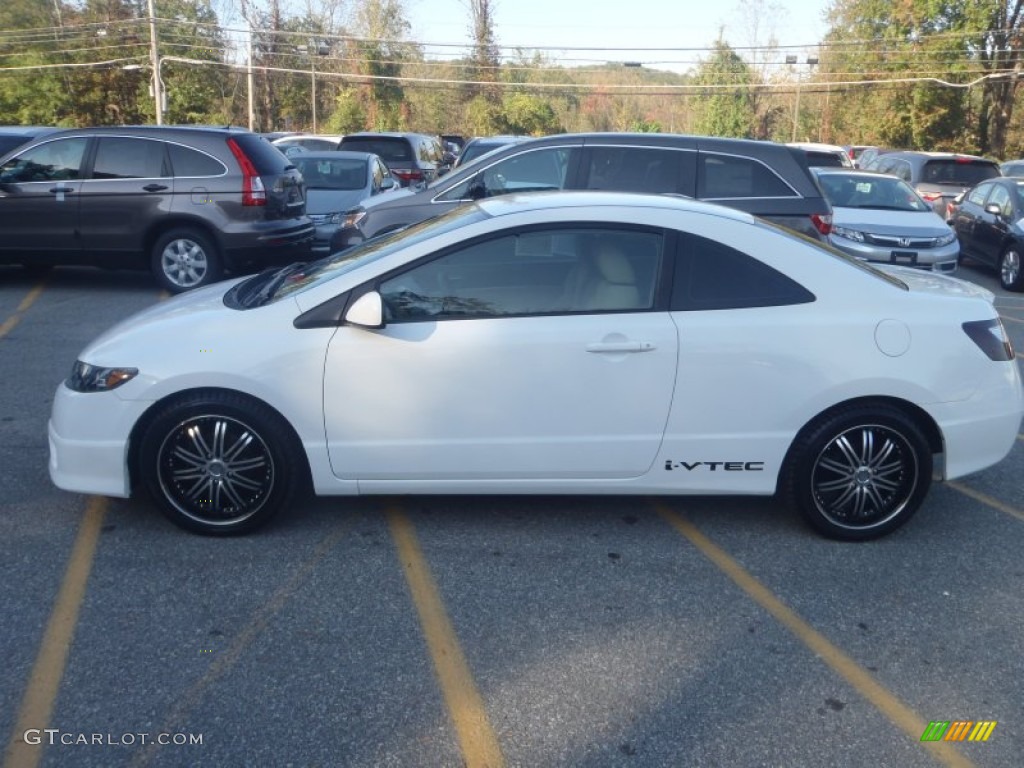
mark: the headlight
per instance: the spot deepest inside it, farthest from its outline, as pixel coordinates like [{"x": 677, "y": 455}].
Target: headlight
[
  {"x": 335, "y": 218},
  {"x": 93, "y": 378},
  {"x": 352, "y": 218},
  {"x": 849, "y": 234},
  {"x": 946, "y": 239}
]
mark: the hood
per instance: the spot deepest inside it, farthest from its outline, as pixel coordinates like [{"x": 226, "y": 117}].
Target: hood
[
  {"x": 921, "y": 281},
  {"x": 333, "y": 200},
  {"x": 900, "y": 223}
]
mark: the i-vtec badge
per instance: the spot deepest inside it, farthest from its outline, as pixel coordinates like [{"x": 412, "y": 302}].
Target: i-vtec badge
[{"x": 714, "y": 466}]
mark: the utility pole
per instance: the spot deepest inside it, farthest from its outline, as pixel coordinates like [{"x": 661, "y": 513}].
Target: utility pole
[
  {"x": 154, "y": 64},
  {"x": 251, "y": 82}
]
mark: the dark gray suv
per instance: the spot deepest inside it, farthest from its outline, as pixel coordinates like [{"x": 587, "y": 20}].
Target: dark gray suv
[
  {"x": 187, "y": 203},
  {"x": 766, "y": 179}
]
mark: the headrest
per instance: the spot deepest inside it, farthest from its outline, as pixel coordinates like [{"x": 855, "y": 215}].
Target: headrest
[{"x": 613, "y": 265}]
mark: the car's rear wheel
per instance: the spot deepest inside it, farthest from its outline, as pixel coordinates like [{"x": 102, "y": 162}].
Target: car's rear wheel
[
  {"x": 185, "y": 258},
  {"x": 1011, "y": 277},
  {"x": 219, "y": 463},
  {"x": 860, "y": 473}
]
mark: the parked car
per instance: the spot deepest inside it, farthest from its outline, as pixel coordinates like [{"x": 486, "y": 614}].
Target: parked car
[
  {"x": 868, "y": 155},
  {"x": 1012, "y": 168},
  {"x": 937, "y": 176},
  {"x": 567, "y": 343},
  {"x": 854, "y": 152},
  {"x": 824, "y": 155},
  {"x": 14, "y": 136},
  {"x": 481, "y": 145},
  {"x": 413, "y": 158},
  {"x": 763, "y": 178},
  {"x": 879, "y": 218},
  {"x": 187, "y": 203},
  {"x": 988, "y": 224},
  {"x": 314, "y": 142},
  {"x": 336, "y": 182}
]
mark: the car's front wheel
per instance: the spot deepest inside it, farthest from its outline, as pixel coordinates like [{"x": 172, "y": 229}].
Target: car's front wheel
[
  {"x": 185, "y": 258},
  {"x": 1011, "y": 277},
  {"x": 860, "y": 473},
  {"x": 219, "y": 463}
]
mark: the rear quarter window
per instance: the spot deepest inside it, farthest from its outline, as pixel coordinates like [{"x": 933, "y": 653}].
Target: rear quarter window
[
  {"x": 710, "y": 275},
  {"x": 728, "y": 176},
  {"x": 187, "y": 162}
]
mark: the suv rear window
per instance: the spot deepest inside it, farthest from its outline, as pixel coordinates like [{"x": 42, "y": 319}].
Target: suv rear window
[
  {"x": 390, "y": 149},
  {"x": 267, "y": 158},
  {"x": 953, "y": 171}
]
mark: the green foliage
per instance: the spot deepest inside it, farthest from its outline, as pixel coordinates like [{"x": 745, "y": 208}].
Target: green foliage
[
  {"x": 528, "y": 114},
  {"x": 725, "y": 109},
  {"x": 348, "y": 115}
]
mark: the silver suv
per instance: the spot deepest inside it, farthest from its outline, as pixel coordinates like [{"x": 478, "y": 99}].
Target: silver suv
[{"x": 187, "y": 203}]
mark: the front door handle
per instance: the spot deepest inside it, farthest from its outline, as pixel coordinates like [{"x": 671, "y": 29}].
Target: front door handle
[
  {"x": 621, "y": 346},
  {"x": 155, "y": 187},
  {"x": 60, "y": 189}
]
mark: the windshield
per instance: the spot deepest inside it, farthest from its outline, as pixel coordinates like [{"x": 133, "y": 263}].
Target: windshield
[
  {"x": 319, "y": 272},
  {"x": 880, "y": 193},
  {"x": 964, "y": 173}
]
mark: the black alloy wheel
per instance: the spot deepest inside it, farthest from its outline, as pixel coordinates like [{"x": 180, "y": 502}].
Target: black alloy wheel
[
  {"x": 860, "y": 473},
  {"x": 219, "y": 463}
]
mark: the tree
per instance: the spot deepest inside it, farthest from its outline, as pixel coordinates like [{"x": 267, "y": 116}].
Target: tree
[{"x": 726, "y": 110}]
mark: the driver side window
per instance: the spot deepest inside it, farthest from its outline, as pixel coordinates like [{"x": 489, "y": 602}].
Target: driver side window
[
  {"x": 531, "y": 171},
  {"x": 56, "y": 160}
]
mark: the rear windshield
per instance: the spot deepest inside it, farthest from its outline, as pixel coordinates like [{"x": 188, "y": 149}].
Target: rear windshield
[
  {"x": 267, "y": 158},
  {"x": 321, "y": 173},
  {"x": 390, "y": 149},
  {"x": 824, "y": 159},
  {"x": 963, "y": 173}
]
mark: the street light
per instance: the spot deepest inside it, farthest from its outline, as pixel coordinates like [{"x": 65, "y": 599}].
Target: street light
[{"x": 792, "y": 59}]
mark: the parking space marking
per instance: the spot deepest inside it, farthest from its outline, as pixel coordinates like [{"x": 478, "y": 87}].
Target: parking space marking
[
  {"x": 222, "y": 664},
  {"x": 898, "y": 713},
  {"x": 48, "y": 670},
  {"x": 986, "y": 500},
  {"x": 28, "y": 301},
  {"x": 477, "y": 741}
]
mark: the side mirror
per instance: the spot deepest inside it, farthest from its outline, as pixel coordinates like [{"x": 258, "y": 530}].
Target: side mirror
[
  {"x": 367, "y": 311},
  {"x": 477, "y": 190},
  {"x": 994, "y": 209},
  {"x": 388, "y": 182}
]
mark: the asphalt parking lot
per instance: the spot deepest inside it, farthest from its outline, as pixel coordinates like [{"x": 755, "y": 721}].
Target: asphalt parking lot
[{"x": 451, "y": 631}]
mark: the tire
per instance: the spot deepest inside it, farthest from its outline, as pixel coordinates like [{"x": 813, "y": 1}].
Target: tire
[
  {"x": 219, "y": 463},
  {"x": 185, "y": 258},
  {"x": 1011, "y": 276},
  {"x": 859, "y": 473}
]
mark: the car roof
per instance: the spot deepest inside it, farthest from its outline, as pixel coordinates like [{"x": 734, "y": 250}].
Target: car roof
[{"x": 504, "y": 205}]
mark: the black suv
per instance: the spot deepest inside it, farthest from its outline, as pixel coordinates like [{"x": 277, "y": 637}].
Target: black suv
[
  {"x": 188, "y": 203},
  {"x": 766, "y": 179},
  {"x": 412, "y": 158}
]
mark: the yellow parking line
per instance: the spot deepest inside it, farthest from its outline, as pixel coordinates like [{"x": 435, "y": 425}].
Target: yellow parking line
[
  {"x": 987, "y": 500},
  {"x": 28, "y": 301},
  {"x": 476, "y": 737},
  {"x": 898, "y": 713},
  {"x": 44, "y": 682}
]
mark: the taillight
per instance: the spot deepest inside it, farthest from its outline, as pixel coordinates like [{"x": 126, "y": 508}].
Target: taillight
[
  {"x": 822, "y": 222},
  {"x": 408, "y": 175},
  {"x": 931, "y": 197},
  {"x": 991, "y": 337},
  {"x": 253, "y": 191}
]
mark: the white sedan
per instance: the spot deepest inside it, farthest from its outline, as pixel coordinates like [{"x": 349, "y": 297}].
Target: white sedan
[{"x": 550, "y": 343}]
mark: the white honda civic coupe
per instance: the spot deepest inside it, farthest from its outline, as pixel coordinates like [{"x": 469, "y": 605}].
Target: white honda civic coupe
[{"x": 550, "y": 343}]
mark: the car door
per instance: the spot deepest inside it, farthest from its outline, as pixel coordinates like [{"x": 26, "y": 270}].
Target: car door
[
  {"x": 129, "y": 187},
  {"x": 532, "y": 355},
  {"x": 39, "y": 199},
  {"x": 991, "y": 227},
  {"x": 965, "y": 220}
]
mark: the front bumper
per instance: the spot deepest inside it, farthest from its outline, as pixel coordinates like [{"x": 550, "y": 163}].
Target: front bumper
[
  {"x": 88, "y": 435},
  {"x": 942, "y": 259}
]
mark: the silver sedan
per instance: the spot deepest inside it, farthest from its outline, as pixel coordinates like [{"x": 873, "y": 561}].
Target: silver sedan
[{"x": 880, "y": 218}]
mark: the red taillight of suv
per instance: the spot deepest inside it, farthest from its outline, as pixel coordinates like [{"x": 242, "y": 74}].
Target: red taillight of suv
[
  {"x": 253, "y": 191},
  {"x": 930, "y": 197},
  {"x": 822, "y": 223},
  {"x": 407, "y": 176}
]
